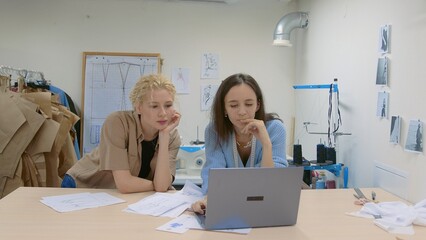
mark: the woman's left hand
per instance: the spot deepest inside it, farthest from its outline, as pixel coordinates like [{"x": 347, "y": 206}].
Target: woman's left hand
[{"x": 174, "y": 122}]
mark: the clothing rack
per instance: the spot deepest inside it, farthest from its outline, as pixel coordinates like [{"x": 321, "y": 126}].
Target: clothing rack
[{"x": 28, "y": 75}]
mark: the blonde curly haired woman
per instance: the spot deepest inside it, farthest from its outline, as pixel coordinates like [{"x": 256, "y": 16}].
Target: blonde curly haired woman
[{"x": 137, "y": 149}]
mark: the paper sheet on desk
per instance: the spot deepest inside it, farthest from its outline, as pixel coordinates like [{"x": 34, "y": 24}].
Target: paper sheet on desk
[
  {"x": 185, "y": 222},
  {"x": 168, "y": 204},
  {"x": 78, "y": 201},
  {"x": 180, "y": 224}
]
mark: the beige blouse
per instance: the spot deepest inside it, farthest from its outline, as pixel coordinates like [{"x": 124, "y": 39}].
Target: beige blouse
[{"x": 120, "y": 148}]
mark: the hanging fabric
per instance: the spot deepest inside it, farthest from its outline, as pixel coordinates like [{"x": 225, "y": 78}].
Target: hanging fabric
[{"x": 36, "y": 148}]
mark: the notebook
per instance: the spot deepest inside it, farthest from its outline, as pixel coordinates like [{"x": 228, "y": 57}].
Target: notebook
[{"x": 252, "y": 197}]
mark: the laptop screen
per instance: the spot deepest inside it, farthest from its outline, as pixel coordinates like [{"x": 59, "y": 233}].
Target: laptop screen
[{"x": 253, "y": 197}]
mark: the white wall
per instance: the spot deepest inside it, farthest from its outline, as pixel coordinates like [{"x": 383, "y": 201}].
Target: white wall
[
  {"x": 342, "y": 41},
  {"x": 51, "y": 35}
]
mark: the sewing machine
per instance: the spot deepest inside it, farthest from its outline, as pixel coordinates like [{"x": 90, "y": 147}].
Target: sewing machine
[{"x": 190, "y": 160}]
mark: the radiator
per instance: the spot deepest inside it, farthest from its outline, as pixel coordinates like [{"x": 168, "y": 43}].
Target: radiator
[{"x": 391, "y": 179}]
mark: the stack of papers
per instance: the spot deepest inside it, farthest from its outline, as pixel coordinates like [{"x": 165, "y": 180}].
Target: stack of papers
[
  {"x": 173, "y": 205},
  {"x": 160, "y": 204},
  {"x": 168, "y": 204},
  {"x": 78, "y": 201}
]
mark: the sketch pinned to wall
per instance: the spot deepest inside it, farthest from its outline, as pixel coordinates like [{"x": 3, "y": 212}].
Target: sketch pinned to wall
[
  {"x": 415, "y": 136},
  {"x": 180, "y": 78},
  {"x": 210, "y": 66},
  {"x": 382, "y": 104},
  {"x": 395, "y": 130},
  {"x": 207, "y": 95},
  {"x": 384, "y": 39},
  {"x": 382, "y": 71}
]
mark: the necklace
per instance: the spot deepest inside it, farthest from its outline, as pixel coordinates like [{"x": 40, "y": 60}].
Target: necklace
[
  {"x": 237, "y": 158},
  {"x": 247, "y": 145},
  {"x": 244, "y": 146}
]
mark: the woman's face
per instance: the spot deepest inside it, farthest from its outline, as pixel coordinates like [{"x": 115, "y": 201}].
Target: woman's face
[
  {"x": 240, "y": 103},
  {"x": 156, "y": 109}
]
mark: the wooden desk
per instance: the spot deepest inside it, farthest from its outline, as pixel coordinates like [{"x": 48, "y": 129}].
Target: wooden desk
[{"x": 321, "y": 216}]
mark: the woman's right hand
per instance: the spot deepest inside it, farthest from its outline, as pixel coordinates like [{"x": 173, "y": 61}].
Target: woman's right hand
[{"x": 200, "y": 206}]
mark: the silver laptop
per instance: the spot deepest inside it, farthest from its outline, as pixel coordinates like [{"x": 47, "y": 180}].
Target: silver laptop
[{"x": 252, "y": 197}]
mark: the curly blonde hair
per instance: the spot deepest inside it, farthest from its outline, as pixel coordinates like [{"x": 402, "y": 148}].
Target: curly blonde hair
[{"x": 147, "y": 83}]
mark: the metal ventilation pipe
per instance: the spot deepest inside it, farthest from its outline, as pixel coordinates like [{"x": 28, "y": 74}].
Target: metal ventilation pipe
[{"x": 286, "y": 25}]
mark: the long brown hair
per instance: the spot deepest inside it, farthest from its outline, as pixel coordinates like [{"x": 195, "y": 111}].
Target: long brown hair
[{"x": 222, "y": 124}]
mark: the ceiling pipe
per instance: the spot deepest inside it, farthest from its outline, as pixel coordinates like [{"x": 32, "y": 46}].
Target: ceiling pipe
[{"x": 286, "y": 25}]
